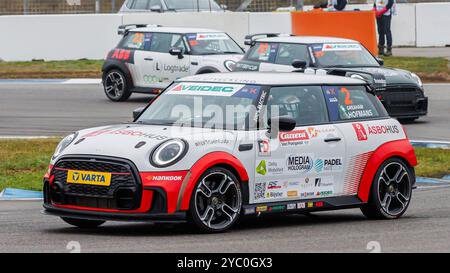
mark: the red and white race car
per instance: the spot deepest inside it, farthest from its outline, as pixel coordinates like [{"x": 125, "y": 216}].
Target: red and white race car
[{"x": 216, "y": 147}]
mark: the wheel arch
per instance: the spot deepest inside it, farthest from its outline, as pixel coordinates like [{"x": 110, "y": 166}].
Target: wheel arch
[
  {"x": 401, "y": 149},
  {"x": 207, "y": 69},
  {"x": 122, "y": 68},
  {"x": 214, "y": 159}
]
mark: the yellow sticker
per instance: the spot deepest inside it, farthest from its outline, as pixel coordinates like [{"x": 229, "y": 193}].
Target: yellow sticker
[{"x": 89, "y": 178}]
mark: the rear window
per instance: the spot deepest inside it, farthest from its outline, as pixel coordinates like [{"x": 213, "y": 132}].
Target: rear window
[
  {"x": 352, "y": 103},
  {"x": 136, "y": 40},
  {"x": 287, "y": 53},
  {"x": 263, "y": 52}
]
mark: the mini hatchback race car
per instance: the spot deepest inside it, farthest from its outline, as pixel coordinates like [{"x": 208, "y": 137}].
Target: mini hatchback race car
[
  {"x": 217, "y": 147},
  {"x": 149, "y": 58},
  {"x": 400, "y": 91}
]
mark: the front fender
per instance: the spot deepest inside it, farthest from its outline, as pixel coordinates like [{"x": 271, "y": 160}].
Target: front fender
[
  {"x": 398, "y": 148},
  {"x": 203, "y": 164}
]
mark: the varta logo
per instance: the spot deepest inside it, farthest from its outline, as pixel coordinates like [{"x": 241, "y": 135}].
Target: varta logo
[{"x": 90, "y": 178}]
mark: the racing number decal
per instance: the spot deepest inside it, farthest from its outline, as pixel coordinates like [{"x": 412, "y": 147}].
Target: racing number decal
[{"x": 347, "y": 100}]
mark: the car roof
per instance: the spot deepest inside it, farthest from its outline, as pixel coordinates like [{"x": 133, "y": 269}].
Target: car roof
[
  {"x": 272, "y": 78},
  {"x": 182, "y": 30},
  {"x": 305, "y": 39}
]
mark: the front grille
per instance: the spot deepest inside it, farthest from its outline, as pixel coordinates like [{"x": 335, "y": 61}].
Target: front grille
[
  {"x": 125, "y": 184},
  {"x": 401, "y": 96}
]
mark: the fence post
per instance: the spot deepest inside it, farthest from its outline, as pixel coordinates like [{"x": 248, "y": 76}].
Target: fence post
[
  {"x": 25, "y": 7},
  {"x": 97, "y": 6}
]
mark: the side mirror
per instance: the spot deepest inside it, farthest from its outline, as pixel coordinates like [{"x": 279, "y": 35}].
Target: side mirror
[
  {"x": 137, "y": 112},
  {"x": 380, "y": 61},
  {"x": 156, "y": 8},
  {"x": 281, "y": 124},
  {"x": 176, "y": 51},
  {"x": 299, "y": 64}
]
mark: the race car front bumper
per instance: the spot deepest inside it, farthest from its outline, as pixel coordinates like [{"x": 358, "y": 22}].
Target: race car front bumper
[
  {"x": 130, "y": 196},
  {"x": 404, "y": 101},
  {"x": 177, "y": 217}
]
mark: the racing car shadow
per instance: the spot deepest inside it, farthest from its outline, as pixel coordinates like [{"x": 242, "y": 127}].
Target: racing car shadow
[{"x": 248, "y": 223}]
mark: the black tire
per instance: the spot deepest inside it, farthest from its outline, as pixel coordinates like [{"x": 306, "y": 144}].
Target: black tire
[
  {"x": 81, "y": 223},
  {"x": 407, "y": 120},
  {"x": 391, "y": 190},
  {"x": 226, "y": 204},
  {"x": 115, "y": 85}
]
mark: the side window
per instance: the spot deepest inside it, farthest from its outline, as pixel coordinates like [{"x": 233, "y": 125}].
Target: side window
[
  {"x": 162, "y": 42},
  {"x": 289, "y": 52},
  {"x": 129, "y": 3},
  {"x": 263, "y": 52},
  {"x": 140, "y": 4},
  {"x": 352, "y": 102},
  {"x": 305, "y": 104},
  {"x": 136, "y": 40}
]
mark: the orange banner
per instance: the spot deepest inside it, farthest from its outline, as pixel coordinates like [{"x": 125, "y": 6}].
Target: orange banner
[{"x": 355, "y": 25}]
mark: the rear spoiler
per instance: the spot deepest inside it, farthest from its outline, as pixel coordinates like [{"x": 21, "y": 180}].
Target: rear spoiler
[
  {"x": 123, "y": 29},
  {"x": 251, "y": 38}
]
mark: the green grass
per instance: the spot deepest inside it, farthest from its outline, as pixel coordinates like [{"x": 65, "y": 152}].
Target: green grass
[
  {"x": 51, "y": 69},
  {"x": 430, "y": 69},
  {"x": 418, "y": 64},
  {"x": 23, "y": 163},
  {"x": 432, "y": 162}
]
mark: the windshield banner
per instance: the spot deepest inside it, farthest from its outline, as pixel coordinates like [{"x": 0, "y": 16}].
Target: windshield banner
[
  {"x": 340, "y": 47},
  {"x": 215, "y": 89}
]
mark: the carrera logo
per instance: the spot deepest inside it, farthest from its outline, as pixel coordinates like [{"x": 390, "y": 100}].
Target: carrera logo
[
  {"x": 294, "y": 136},
  {"x": 383, "y": 129},
  {"x": 360, "y": 131}
]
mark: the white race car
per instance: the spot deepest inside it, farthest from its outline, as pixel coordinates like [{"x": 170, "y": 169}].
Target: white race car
[
  {"x": 150, "y": 57},
  {"x": 213, "y": 148}
]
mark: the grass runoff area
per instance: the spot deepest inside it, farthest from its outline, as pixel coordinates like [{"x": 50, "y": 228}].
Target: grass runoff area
[
  {"x": 429, "y": 69},
  {"x": 23, "y": 163}
]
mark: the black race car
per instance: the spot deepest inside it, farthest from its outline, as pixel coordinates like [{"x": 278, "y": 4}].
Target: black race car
[{"x": 400, "y": 91}]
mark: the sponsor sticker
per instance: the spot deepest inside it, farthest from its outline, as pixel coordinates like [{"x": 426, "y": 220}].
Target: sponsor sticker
[
  {"x": 301, "y": 205},
  {"x": 248, "y": 211},
  {"x": 226, "y": 90},
  {"x": 299, "y": 163},
  {"x": 341, "y": 47},
  {"x": 264, "y": 147},
  {"x": 89, "y": 178},
  {"x": 360, "y": 131},
  {"x": 261, "y": 208},
  {"x": 294, "y": 138},
  {"x": 212, "y": 36},
  {"x": 270, "y": 167},
  {"x": 291, "y": 206}
]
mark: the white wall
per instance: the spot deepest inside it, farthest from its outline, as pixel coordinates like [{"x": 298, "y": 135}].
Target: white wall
[
  {"x": 64, "y": 37},
  {"x": 433, "y": 24},
  {"x": 57, "y": 37}
]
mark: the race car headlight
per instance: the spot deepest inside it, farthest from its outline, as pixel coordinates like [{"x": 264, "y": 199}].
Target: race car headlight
[
  {"x": 230, "y": 65},
  {"x": 64, "y": 144},
  {"x": 417, "y": 79},
  {"x": 168, "y": 153}
]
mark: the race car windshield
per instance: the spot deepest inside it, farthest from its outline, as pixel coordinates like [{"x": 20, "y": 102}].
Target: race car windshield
[
  {"x": 193, "y": 5},
  {"x": 212, "y": 43},
  {"x": 343, "y": 55},
  {"x": 206, "y": 105}
]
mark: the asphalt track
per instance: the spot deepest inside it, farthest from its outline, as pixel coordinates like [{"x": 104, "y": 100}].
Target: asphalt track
[
  {"x": 424, "y": 228},
  {"x": 37, "y": 109}
]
